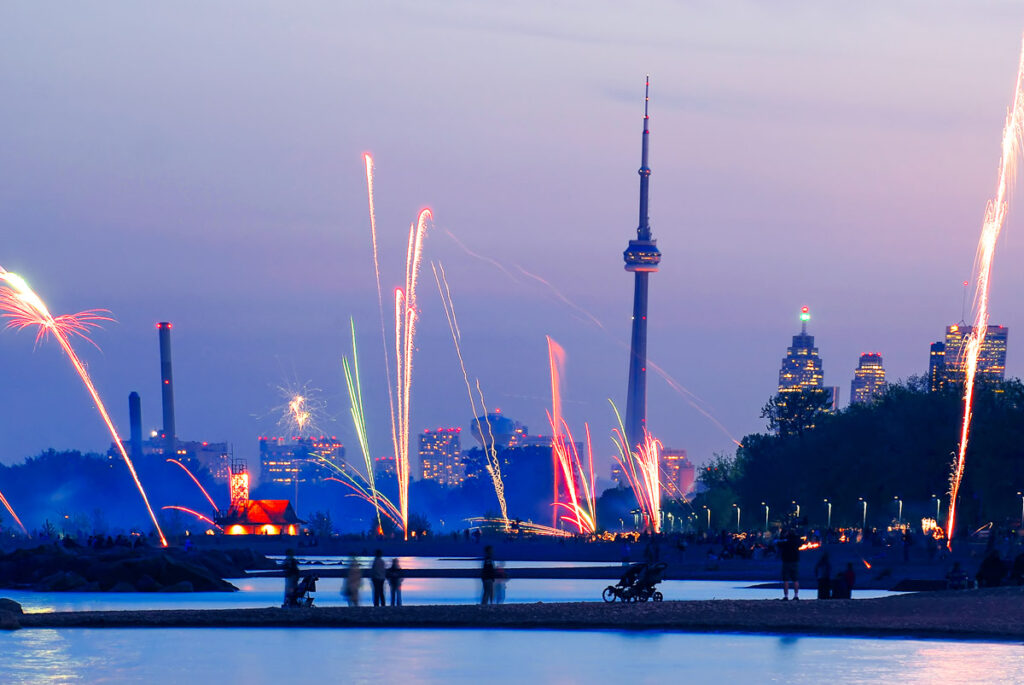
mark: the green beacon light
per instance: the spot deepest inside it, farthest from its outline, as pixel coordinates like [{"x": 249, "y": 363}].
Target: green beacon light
[{"x": 805, "y": 314}]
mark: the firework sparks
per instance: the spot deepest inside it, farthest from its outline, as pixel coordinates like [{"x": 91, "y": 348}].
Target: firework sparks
[
  {"x": 355, "y": 396},
  {"x": 196, "y": 481},
  {"x": 995, "y": 217},
  {"x": 568, "y": 466},
  {"x": 363, "y": 491},
  {"x": 406, "y": 314},
  {"x": 640, "y": 465},
  {"x": 303, "y": 410},
  {"x": 520, "y": 526},
  {"x": 199, "y": 516},
  {"x": 493, "y": 464},
  {"x": 10, "y": 510},
  {"x": 30, "y": 310}
]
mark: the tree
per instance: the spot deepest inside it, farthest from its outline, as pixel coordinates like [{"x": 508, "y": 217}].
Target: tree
[
  {"x": 795, "y": 413},
  {"x": 320, "y": 523}
]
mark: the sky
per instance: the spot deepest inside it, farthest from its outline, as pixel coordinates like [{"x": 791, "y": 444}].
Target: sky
[{"x": 201, "y": 164}]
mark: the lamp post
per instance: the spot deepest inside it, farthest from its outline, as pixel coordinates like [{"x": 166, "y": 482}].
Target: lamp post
[
  {"x": 899, "y": 516},
  {"x": 765, "y": 516},
  {"x": 937, "y": 503},
  {"x": 828, "y": 526},
  {"x": 708, "y": 509},
  {"x": 797, "y": 508},
  {"x": 864, "y": 515},
  {"x": 1021, "y": 495},
  {"x": 737, "y": 517}
]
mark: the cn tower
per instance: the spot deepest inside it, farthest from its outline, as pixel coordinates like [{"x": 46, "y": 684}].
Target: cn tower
[{"x": 642, "y": 258}]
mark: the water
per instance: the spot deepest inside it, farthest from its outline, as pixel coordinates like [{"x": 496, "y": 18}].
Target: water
[
  {"x": 308, "y": 655},
  {"x": 265, "y": 592}
]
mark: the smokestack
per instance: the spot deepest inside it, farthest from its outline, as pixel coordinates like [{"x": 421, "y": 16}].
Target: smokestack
[
  {"x": 167, "y": 385},
  {"x": 135, "y": 421}
]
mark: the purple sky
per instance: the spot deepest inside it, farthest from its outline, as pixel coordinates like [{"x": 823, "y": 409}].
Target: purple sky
[{"x": 203, "y": 165}]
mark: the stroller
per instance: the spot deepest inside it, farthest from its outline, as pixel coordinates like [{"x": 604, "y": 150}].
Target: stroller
[
  {"x": 638, "y": 584},
  {"x": 302, "y": 594}
]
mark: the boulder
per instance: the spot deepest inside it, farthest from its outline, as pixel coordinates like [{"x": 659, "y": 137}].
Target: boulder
[
  {"x": 146, "y": 584},
  {"x": 9, "y": 621},
  {"x": 122, "y": 586},
  {"x": 183, "y": 586},
  {"x": 10, "y": 606}
]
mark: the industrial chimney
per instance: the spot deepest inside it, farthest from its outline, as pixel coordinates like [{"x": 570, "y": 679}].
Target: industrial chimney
[
  {"x": 167, "y": 386},
  {"x": 135, "y": 421}
]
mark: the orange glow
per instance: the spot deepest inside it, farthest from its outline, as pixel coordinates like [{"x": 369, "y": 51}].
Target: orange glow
[
  {"x": 810, "y": 545},
  {"x": 236, "y": 530},
  {"x": 270, "y": 529},
  {"x": 866, "y": 564}
]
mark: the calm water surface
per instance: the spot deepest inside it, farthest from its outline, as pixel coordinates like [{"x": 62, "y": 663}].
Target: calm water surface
[{"x": 303, "y": 655}]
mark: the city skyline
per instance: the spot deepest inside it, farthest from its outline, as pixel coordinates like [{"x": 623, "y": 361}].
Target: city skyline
[{"x": 252, "y": 237}]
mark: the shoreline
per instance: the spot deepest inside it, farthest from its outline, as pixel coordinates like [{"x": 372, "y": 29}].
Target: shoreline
[{"x": 985, "y": 615}]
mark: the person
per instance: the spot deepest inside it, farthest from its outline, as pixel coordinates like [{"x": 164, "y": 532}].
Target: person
[
  {"x": 850, "y": 576},
  {"x": 291, "y": 578},
  {"x": 354, "y": 577},
  {"x": 378, "y": 573},
  {"x": 957, "y": 578},
  {"x": 823, "y": 574},
  {"x": 789, "y": 554},
  {"x": 991, "y": 571},
  {"x": 395, "y": 583},
  {"x": 500, "y": 581},
  {"x": 487, "y": 575}
]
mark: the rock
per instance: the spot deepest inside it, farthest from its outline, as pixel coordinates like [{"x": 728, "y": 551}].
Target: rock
[
  {"x": 9, "y": 621},
  {"x": 10, "y": 606},
  {"x": 146, "y": 584},
  {"x": 123, "y": 586},
  {"x": 183, "y": 586},
  {"x": 61, "y": 581}
]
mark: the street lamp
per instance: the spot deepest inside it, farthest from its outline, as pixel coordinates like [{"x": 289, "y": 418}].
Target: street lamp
[
  {"x": 828, "y": 526},
  {"x": 937, "y": 503},
  {"x": 797, "y": 508},
  {"x": 1021, "y": 495},
  {"x": 899, "y": 517},
  {"x": 765, "y": 516},
  {"x": 708, "y": 509},
  {"x": 737, "y": 517},
  {"x": 864, "y": 515}
]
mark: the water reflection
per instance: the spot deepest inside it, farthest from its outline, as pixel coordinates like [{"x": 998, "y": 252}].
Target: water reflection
[{"x": 273, "y": 655}]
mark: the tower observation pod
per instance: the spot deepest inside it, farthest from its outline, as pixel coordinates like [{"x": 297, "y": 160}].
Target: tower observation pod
[{"x": 642, "y": 258}]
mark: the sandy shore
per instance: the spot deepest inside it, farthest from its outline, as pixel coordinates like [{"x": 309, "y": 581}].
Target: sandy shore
[{"x": 996, "y": 614}]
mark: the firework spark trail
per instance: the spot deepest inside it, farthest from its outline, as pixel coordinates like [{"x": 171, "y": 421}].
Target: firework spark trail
[
  {"x": 405, "y": 334},
  {"x": 196, "y": 481},
  {"x": 641, "y": 467},
  {"x": 355, "y": 396},
  {"x": 31, "y": 303},
  {"x": 556, "y": 361},
  {"x": 194, "y": 513},
  {"x": 995, "y": 217},
  {"x": 493, "y": 465},
  {"x": 368, "y": 159},
  {"x": 692, "y": 399},
  {"x": 10, "y": 510},
  {"x": 302, "y": 411},
  {"x": 385, "y": 506},
  {"x": 523, "y": 527}
]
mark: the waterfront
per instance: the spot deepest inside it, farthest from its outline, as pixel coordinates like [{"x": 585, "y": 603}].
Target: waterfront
[{"x": 274, "y": 655}]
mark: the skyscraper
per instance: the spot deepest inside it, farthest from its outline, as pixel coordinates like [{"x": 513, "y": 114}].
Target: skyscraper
[
  {"x": 441, "y": 456},
  {"x": 991, "y": 356},
  {"x": 642, "y": 258},
  {"x": 868, "y": 379},
  {"x": 936, "y": 366},
  {"x": 801, "y": 368},
  {"x": 678, "y": 473}
]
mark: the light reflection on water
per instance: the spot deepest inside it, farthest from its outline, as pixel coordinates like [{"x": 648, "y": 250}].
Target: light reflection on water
[{"x": 276, "y": 655}]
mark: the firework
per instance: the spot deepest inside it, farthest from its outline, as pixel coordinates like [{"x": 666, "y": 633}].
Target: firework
[
  {"x": 520, "y": 527},
  {"x": 640, "y": 465},
  {"x": 302, "y": 411},
  {"x": 196, "y": 481},
  {"x": 355, "y": 396},
  {"x": 406, "y": 314},
  {"x": 493, "y": 465},
  {"x": 995, "y": 217},
  {"x": 24, "y": 308},
  {"x": 568, "y": 466},
  {"x": 10, "y": 510},
  {"x": 194, "y": 513},
  {"x": 361, "y": 490}
]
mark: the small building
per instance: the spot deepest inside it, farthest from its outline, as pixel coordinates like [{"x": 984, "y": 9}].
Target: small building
[{"x": 262, "y": 517}]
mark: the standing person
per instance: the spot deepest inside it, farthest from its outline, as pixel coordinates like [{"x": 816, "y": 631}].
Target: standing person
[
  {"x": 378, "y": 572},
  {"x": 823, "y": 574},
  {"x": 851, "y": 578},
  {"x": 291, "y": 578},
  {"x": 789, "y": 554},
  {"x": 353, "y": 579},
  {"x": 500, "y": 581},
  {"x": 395, "y": 583},
  {"x": 487, "y": 575}
]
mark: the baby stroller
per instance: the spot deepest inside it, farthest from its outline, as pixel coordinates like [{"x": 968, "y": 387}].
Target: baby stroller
[
  {"x": 638, "y": 584},
  {"x": 302, "y": 595}
]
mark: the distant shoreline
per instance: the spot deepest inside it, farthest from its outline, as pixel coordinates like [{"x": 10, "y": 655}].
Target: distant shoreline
[{"x": 988, "y": 615}]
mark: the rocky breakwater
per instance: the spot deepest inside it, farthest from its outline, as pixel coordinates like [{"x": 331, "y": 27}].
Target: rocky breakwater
[{"x": 59, "y": 568}]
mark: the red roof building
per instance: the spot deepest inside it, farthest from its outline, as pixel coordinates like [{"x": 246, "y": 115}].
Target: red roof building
[{"x": 262, "y": 517}]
